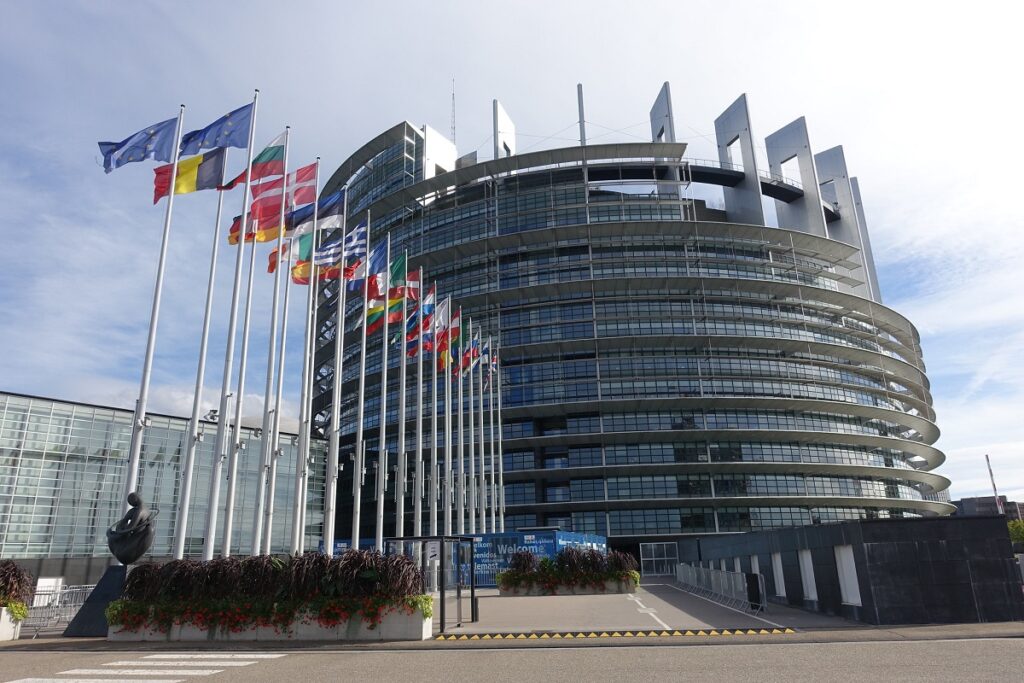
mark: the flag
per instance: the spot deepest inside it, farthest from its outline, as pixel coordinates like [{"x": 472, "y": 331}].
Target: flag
[
  {"x": 301, "y": 189},
  {"x": 485, "y": 357},
  {"x": 203, "y": 172},
  {"x": 302, "y": 186},
  {"x": 301, "y": 273},
  {"x": 329, "y": 254},
  {"x": 155, "y": 142},
  {"x": 414, "y": 326},
  {"x": 448, "y": 339},
  {"x": 412, "y": 286},
  {"x": 329, "y": 210},
  {"x": 267, "y": 163},
  {"x": 261, "y": 229},
  {"x": 356, "y": 272},
  {"x": 440, "y": 325},
  {"x": 375, "y": 310},
  {"x": 471, "y": 354},
  {"x": 230, "y": 130}
]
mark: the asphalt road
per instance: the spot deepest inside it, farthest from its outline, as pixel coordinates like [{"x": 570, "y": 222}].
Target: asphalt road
[{"x": 988, "y": 659}]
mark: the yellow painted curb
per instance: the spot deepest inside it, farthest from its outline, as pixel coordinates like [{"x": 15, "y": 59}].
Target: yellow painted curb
[{"x": 569, "y": 635}]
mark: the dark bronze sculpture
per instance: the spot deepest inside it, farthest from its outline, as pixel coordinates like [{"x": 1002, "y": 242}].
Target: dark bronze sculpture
[{"x": 132, "y": 536}]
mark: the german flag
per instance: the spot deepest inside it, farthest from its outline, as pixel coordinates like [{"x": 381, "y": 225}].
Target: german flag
[{"x": 201, "y": 172}]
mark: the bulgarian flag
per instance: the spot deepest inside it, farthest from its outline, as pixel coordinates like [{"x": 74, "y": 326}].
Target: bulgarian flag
[
  {"x": 267, "y": 163},
  {"x": 201, "y": 172},
  {"x": 375, "y": 310}
]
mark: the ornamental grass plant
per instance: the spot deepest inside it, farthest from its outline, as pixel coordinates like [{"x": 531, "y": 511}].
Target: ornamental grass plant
[
  {"x": 572, "y": 567},
  {"x": 236, "y": 594},
  {"x": 16, "y": 586}
]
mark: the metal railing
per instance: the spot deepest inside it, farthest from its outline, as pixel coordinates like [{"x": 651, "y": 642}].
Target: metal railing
[
  {"x": 55, "y": 608},
  {"x": 727, "y": 588}
]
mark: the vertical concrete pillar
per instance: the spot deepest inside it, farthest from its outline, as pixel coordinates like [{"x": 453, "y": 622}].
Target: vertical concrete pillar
[
  {"x": 742, "y": 202},
  {"x": 804, "y": 214}
]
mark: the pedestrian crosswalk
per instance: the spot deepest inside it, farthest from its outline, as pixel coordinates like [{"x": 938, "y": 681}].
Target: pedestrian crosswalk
[{"x": 155, "y": 668}]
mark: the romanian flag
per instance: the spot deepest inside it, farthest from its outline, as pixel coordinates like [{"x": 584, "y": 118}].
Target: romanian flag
[
  {"x": 267, "y": 163},
  {"x": 201, "y": 172}
]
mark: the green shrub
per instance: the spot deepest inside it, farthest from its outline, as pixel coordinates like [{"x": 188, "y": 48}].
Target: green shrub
[
  {"x": 234, "y": 594},
  {"x": 572, "y": 566},
  {"x": 16, "y": 587}
]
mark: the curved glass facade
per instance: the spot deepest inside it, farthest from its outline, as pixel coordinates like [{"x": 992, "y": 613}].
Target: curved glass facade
[{"x": 665, "y": 371}]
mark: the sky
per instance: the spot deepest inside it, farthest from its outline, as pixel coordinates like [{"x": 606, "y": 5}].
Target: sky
[{"x": 921, "y": 98}]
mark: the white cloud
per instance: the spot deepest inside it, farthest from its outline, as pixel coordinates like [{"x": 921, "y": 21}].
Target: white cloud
[{"x": 922, "y": 101}]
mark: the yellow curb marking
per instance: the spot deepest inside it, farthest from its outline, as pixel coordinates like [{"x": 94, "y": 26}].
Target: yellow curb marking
[{"x": 613, "y": 634}]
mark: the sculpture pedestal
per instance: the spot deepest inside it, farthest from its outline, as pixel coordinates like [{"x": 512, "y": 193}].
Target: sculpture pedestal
[{"x": 91, "y": 621}]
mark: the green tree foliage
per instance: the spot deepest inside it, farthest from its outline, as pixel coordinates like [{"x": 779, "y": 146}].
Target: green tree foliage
[{"x": 1016, "y": 531}]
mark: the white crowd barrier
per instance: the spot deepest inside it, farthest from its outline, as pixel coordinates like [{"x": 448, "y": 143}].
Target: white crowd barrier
[
  {"x": 55, "y": 608},
  {"x": 728, "y": 588}
]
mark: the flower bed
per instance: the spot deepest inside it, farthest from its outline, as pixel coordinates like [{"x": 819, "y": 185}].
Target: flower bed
[
  {"x": 15, "y": 590},
  {"x": 574, "y": 571},
  {"x": 358, "y": 596}
]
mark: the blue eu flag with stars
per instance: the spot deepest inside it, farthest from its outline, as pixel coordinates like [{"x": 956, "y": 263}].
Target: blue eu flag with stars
[
  {"x": 155, "y": 142},
  {"x": 230, "y": 130}
]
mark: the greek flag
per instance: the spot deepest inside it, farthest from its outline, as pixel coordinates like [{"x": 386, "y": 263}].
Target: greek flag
[{"x": 330, "y": 251}]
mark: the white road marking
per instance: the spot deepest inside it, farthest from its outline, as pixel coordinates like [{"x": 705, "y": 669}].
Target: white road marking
[
  {"x": 179, "y": 662},
  {"x": 93, "y": 680},
  {"x": 207, "y": 656},
  {"x": 746, "y": 614},
  {"x": 648, "y": 611},
  {"x": 140, "y": 672}
]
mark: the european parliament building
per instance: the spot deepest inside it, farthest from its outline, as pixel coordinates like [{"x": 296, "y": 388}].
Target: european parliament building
[
  {"x": 688, "y": 346},
  {"x": 669, "y": 367}
]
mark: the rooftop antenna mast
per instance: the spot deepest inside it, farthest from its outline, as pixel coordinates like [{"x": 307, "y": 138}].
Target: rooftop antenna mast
[{"x": 453, "y": 110}]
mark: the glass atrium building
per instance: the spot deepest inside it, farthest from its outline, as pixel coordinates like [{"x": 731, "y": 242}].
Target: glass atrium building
[
  {"x": 62, "y": 469},
  {"x": 670, "y": 365}
]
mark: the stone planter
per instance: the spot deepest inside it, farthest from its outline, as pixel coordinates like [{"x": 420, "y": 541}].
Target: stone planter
[
  {"x": 9, "y": 629},
  {"x": 396, "y": 625},
  {"x": 610, "y": 586}
]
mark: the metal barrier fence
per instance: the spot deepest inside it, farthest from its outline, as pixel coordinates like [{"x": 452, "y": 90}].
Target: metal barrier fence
[
  {"x": 55, "y": 608},
  {"x": 728, "y": 588}
]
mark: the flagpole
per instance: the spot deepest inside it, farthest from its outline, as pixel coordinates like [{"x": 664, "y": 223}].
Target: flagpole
[
  {"x": 382, "y": 446},
  {"x": 220, "y": 452},
  {"x": 311, "y": 350},
  {"x": 266, "y": 443},
  {"x": 236, "y": 441},
  {"x": 299, "y": 502},
  {"x": 483, "y": 470},
  {"x": 139, "y": 419},
  {"x": 501, "y": 454},
  {"x": 460, "y": 493},
  {"x": 400, "y": 475},
  {"x": 433, "y": 422},
  {"x": 334, "y": 430},
  {"x": 490, "y": 445},
  {"x": 472, "y": 449},
  {"x": 275, "y": 452},
  {"x": 357, "y": 473},
  {"x": 417, "y": 493},
  {"x": 448, "y": 465},
  {"x": 181, "y": 524}
]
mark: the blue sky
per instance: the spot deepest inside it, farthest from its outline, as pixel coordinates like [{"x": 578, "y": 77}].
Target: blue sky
[{"x": 923, "y": 102}]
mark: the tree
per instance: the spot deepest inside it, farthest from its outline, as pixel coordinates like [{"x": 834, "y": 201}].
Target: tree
[{"x": 1016, "y": 530}]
